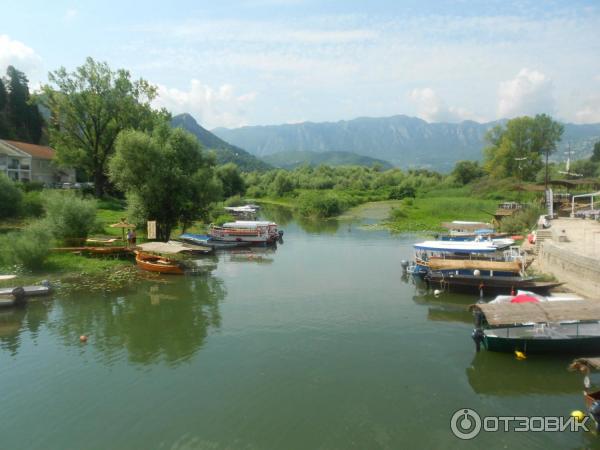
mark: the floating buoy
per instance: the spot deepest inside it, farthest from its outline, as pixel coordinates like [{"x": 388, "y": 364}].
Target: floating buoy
[
  {"x": 520, "y": 355},
  {"x": 476, "y": 272},
  {"x": 83, "y": 338},
  {"x": 437, "y": 292},
  {"x": 579, "y": 415}
]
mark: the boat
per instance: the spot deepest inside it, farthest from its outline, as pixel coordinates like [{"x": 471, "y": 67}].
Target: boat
[
  {"x": 242, "y": 211},
  {"x": 467, "y": 258},
  {"x": 538, "y": 327},
  {"x": 521, "y": 296},
  {"x": 28, "y": 291},
  {"x": 155, "y": 263},
  {"x": 207, "y": 241},
  {"x": 487, "y": 283},
  {"x": 256, "y": 232},
  {"x": 15, "y": 296},
  {"x": 591, "y": 396}
]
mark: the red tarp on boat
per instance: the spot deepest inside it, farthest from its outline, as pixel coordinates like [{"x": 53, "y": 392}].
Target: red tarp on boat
[{"x": 524, "y": 299}]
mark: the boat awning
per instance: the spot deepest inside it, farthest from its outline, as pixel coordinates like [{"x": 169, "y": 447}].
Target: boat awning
[
  {"x": 544, "y": 312},
  {"x": 465, "y": 225},
  {"x": 456, "y": 246},
  {"x": 250, "y": 224},
  {"x": 585, "y": 364},
  {"x": 170, "y": 247}
]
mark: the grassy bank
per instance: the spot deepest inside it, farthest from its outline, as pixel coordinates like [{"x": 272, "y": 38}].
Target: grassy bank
[{"x": 427, "y": 213}]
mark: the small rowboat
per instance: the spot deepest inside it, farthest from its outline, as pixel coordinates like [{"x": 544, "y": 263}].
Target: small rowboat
[{"x": 153, "y": 263}]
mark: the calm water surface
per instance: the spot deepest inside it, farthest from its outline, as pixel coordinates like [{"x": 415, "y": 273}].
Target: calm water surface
[{"x": 318, "y": 344}]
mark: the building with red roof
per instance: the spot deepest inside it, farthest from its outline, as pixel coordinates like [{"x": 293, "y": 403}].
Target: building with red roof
[{"x": 22, "y": 161}]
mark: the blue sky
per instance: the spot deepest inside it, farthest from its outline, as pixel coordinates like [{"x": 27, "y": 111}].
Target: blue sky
[{"x": 255, "y": 62}]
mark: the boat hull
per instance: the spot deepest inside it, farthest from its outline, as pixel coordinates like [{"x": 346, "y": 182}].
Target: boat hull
[
  {"x": 497, "y": 284},
  {"x": 580, "y": 345},
  {"x": 152, "y": 263}
]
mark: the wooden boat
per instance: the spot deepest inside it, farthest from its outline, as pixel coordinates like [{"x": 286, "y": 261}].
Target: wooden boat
[
  {"x": 256, "y": 232},
  {"x": 468, "y": 258},
  {"x": 207, "y": 241},
  {"x": 160, "y": 264},
  {"x": 108, "y": 250},
  {"x": 475, "y": 284},
  {"x": 544, "y": 327}
]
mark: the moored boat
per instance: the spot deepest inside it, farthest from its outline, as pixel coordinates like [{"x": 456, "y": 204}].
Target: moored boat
[
  {"x": 207, "y": 241},
  {"x": 256, "y": 232},
  {"x": 486, "y": 283},
  {"x": 538, "y": 327},
  {"x": 159, "y": 264}
]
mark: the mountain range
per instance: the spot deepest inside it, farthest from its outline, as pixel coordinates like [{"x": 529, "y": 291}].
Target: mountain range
[
  {"x": 403, "y": 141},
  {"x": 291, "y": 160},
  {"x": 224, "y": 151}
]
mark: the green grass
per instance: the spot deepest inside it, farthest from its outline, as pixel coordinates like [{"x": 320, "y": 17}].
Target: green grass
[{"x": 427, "y": 213}]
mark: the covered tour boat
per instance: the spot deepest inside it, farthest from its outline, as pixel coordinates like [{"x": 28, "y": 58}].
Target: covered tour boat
[
  {"x": 254, "y": 231},
  {"x": 538, "y": 327}
]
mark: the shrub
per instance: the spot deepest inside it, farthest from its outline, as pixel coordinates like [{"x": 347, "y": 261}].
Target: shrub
[
  {"x": 320, "y": 205},
  {"x": 32, "y": 204},
  {"x": 31, "y": 186},
  {"x": 69, "y": 217},
  {"x": 401, "y": 191},
  {"x": 28, "y": 248},
  {"x": 521, "y": 221},
  {"x": 236, "y": 200},
  {"x": 397, "y": 214},
  {"x": 10, "y": 198}
]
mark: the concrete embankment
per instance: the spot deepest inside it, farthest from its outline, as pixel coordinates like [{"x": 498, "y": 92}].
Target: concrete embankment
[{"x": 573, "y": 255}]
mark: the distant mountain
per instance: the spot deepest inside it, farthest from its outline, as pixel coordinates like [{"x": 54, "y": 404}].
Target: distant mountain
[
  {"x": 404, "y": 141},
  {"x": 225, "y": 152},
  {"x": 290, "y": 160}
]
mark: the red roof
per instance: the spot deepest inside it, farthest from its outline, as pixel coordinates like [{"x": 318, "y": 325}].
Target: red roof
[{"x": 36, "y": 151}]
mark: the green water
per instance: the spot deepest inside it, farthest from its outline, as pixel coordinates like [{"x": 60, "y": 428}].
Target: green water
[{"x": 319, "y": 344}]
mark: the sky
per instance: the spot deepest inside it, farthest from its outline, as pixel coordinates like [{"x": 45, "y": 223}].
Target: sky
[{"x": 259, "y": 62}]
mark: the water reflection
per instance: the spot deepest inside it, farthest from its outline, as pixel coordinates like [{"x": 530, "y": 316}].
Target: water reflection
[
  {"x": 14, "y": 322},
  {"x": 166, "y": 319},
  {"x": 318, "y": 226},
  {"x": 501, "y": 374},
  {"x": 282, "y": 215}
]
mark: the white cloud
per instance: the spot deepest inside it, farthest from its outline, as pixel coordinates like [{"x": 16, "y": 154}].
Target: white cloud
[
  {"x": 211, "y": 107},
  {"x": 529, "y": 93},
  {"x": 432, "y": 108},
  {"x": 15, "y": 53},
  {"x": 590, "y": 111},
  {"x": 71, "y": 14}
]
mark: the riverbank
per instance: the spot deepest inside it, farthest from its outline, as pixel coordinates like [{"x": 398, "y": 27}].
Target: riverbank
[{"x": 572, "y": 255}]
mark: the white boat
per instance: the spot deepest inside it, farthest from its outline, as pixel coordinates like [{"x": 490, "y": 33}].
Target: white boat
[{"x": 255, "y": 231}]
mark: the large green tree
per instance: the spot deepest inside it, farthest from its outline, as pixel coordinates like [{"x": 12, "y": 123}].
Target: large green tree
[
  {"x": 466, "y": 171},
  {"x": 166, "y": 174},
  {"x": 519, "y": 147},
  {"x": 233, "y": 183},
  {"x": 89, "y": 108},
  {"x": 596, "y": 153},
  {"x": 20, "y": 118}
]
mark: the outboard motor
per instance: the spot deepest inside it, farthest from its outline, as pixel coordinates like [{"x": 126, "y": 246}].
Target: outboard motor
[
  {"x": 477, "y": 337},
  {"x": 404, "y": 264},
  {"x": 19, "y": 295},
  {"x": 280, "y": 239},
  {"x": 45, "y": 283}
]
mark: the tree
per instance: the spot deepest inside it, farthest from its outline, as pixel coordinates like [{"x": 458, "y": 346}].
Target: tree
[
  {"x": 166, "y": 174},
  {"x": 22, "y": 119},
  {"x": 89, "y": 108},
  {"x": 466, "y": 171},
  {"x": 233, "y": 183},
  {"x": 519, "y": 147},
  {"x": 596, "y": 153}
]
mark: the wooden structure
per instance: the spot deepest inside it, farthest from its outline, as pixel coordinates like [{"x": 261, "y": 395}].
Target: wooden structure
[
  {"x": 158, "y": 264},
  {"x": 498, "y": 314}
]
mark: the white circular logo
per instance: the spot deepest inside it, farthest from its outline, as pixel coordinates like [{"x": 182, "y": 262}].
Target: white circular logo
[{"x": 465, "y": 424}]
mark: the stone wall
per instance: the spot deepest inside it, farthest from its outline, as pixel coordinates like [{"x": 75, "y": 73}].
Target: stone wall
[{"x": 581, "y": 273}]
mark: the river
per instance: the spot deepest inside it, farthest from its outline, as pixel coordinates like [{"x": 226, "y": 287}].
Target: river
[{"x": 319, "y": 344}]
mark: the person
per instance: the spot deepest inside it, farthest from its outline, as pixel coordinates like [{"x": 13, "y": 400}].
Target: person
[
  {"x": 129, "y": 238},
  {"x": 133, "y": 238}
]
